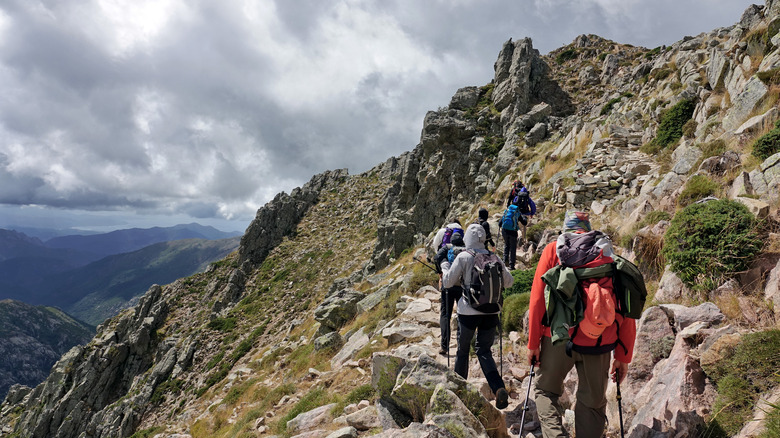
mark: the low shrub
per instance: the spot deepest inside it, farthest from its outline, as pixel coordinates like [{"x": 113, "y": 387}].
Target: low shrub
[
  {"x": 768, "y": 144},
  {"x": 698, "y": 187},
  {"x": 524, "y": 278},
  {"x": 672, "y": 120},
  {"x": 746, "y": 372},
  {"x": 566, "y": 55},
  {"x": 711, "y": 241},
  {"x": 513, "y": 311}
]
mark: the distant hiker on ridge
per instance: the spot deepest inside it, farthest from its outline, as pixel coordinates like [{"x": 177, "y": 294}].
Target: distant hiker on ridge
[{"x": 483, "y": 220}]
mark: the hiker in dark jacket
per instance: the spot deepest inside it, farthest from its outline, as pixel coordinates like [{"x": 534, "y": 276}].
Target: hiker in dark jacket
[
  {"x": 483, "y": 220},
  {"x": 472, "y": 321},
  {"x": 449, "y": 295}
]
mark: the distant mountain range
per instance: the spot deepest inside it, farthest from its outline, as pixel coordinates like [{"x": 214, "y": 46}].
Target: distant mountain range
[
  {"x": 32, "y": 339},
  {"x": 97, "y": 275}
]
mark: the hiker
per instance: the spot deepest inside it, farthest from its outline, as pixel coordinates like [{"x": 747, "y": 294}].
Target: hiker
[
  {"x": 483, "y": 220},
  {"x": 555, "y": 348},
  {"x": 516, "y": 187},
  {"x": 471, "y": 320},
  {"x": 509, "y": 223},
  {"x": 444, "y": 234},
  {"x": 449, "y": 295}
]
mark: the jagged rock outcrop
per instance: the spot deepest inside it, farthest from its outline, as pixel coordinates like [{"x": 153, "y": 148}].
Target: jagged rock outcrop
[
  {"x": 279, "y": 217},
  {"x": 33, "y": 339},
  {"x": 456, "y": 161},
  {"x": 87, "y": 393}
]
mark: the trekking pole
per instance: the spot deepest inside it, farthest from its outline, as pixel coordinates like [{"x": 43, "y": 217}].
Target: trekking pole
[
  {"x": 449, "y": 325},
  {"x": 620, "y": 405},
  {"x": 426, "y": 265},
  {"x": 527, "y": 394}
]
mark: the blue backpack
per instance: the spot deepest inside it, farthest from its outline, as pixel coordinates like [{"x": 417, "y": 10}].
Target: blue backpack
[{"x": 509, "y": 218}]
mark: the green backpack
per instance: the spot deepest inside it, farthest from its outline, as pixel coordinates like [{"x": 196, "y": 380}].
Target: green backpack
[{"x": 629, "y": 286}]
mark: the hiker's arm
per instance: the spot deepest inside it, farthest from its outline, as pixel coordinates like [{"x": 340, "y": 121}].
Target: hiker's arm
[
  {"x": 627, "y": 336},
  {"x": 620, "y": 367},
  {"x": 452, "y": 273},
  {"x": 536, "y": 307}
]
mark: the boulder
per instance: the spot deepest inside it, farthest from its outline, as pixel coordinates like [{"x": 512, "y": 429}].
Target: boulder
[
  {"x": 355, "y": 343},
  {"x": 720, "y": 164},
  {"x": 670, "y": 287},
  {"x": 675, "y": 401},
  {"x": 447, "y": 411},
  {"x": 772, "y": 290},
  {"x": 344, "y": 432},
  {"x": 536, "y": 134},
  {"x": 759, "y": 208},
  {"x": 364, "y": 419},
  {"x": 654, "y": 341},
  {"x": 337, "y": 309},
  {"x": 328, "y": 341},
  {"x": 744, "y": 103},
  {"x": 685, "y": 157},
  {"x": 415, "y": 430},
  {"x": 405, "y": 332},
  {"x": 741, "y": 186},
  {"x": 682, "y": 316},
  {"x": 312, "y": 419},
  {"x": 465, "y": 98}
]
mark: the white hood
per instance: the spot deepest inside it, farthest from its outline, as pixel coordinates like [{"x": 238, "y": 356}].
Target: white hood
[{"x": 475, "y": 237}]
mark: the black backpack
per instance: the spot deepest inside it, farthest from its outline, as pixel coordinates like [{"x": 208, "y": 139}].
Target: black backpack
[
  {"x": 487, "y": 283},
  {"x": 521, "y": 201}
]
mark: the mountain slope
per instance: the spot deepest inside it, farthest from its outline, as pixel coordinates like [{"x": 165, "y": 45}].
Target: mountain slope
[
  {"x": 324, "y": 286},
  {"x": 32, "y": 339},
  {"x": 99, "y": 290}
]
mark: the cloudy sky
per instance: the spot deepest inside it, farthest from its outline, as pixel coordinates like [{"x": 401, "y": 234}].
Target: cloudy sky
[{"x": 118, "y": 113}]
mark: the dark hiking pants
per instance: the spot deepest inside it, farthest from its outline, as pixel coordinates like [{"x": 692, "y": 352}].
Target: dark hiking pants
[
  {"x": 510, "y": 247},
  {"x": 485, "y": 328}
]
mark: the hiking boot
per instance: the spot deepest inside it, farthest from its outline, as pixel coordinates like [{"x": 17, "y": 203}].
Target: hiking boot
[
  {"x": 444, "y": 352},
  {"x": 502, "y": 398}
]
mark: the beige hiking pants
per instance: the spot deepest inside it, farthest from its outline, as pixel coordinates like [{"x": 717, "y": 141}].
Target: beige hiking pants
[{"x": 591, "y": 406}]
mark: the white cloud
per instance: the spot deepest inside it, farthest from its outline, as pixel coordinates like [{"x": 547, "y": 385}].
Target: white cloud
[{"x": 211, "y": 108}]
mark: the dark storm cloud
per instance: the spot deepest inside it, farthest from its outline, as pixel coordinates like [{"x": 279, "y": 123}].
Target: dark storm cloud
[{"x": 210, "y": 108}]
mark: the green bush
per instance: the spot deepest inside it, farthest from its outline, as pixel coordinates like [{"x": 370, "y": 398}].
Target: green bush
[
  {"x": 566, "y": 55},
  {"x": 608, "y": 107},
  {"x": 768, "y": 144},
  {"x": 698, "y": 187},
  {"x": 523, "y": 280},
  {"x": 746, "y": 372},
  {"x": 709, "y": 242},
  {"x": 672, "y": 121},
  {"x": 513, "y": 311}
]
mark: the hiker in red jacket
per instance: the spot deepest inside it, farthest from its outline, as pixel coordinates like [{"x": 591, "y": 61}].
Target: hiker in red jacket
[{"x": 589, "y": 356}]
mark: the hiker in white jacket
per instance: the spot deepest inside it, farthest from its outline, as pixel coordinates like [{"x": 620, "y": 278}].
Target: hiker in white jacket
[{"x": 470, "y": 320}]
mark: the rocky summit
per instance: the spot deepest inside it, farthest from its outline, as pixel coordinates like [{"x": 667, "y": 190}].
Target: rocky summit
[{"x": 325, "y": 322}]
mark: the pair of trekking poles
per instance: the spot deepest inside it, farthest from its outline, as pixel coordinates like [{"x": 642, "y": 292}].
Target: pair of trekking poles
[{"x": 528, "y": 394}]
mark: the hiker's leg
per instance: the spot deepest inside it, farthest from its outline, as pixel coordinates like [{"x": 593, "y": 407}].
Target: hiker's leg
[
  {"x": 505, "y": 235},
  {"x": 486, "y": 335},
  {"x": 467, "y": 325},
  {"x": 590, "y": 411},
  {"x": 512, "y": 239},
  {"x": 555, "y": 365}
]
